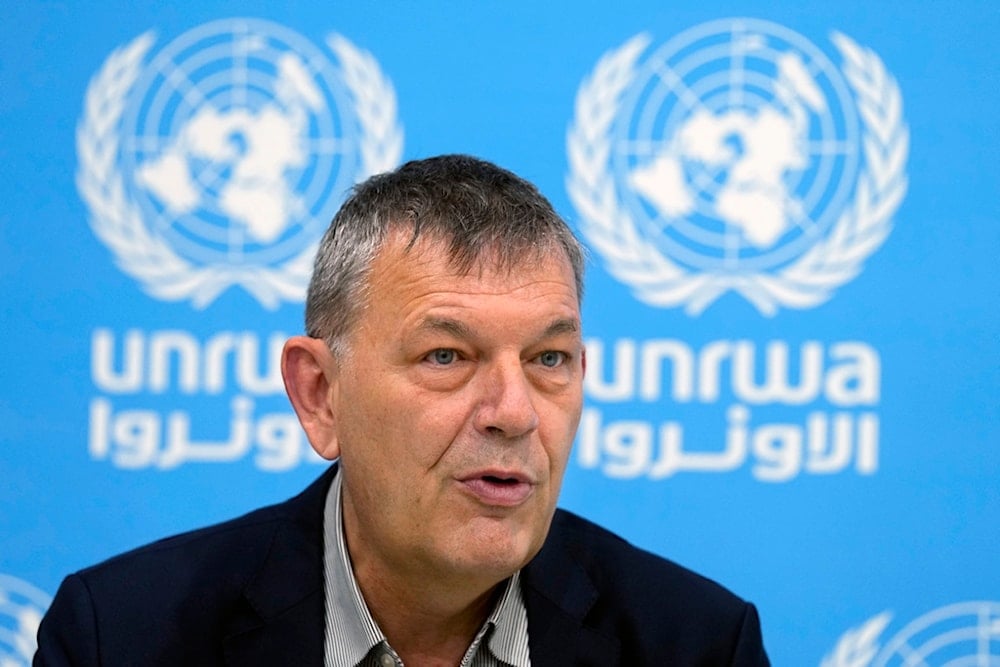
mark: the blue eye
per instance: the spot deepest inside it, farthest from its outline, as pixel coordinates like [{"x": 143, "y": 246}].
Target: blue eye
[
  {"x": 551, "y": 359},
  {"x": 443, "y": 356}
]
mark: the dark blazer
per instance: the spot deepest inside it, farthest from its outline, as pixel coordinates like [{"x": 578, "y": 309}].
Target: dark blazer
[{"x": 250, "y": 592}]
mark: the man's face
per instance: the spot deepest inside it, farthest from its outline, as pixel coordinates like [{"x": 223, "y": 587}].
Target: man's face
[{"x": 455, "y": 408}]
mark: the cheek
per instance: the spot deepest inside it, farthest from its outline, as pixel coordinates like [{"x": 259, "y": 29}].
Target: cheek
[
  {"x": 432, "y": 432},
  {"x": 558, "y": 431},
  {"x": 416, "y": 428}
]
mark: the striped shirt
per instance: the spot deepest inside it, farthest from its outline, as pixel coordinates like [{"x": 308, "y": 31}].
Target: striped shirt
[{"x": 354, "y": 639}]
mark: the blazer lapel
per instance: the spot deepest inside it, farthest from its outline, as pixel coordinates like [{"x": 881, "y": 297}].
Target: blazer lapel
[
  {"x": 558, "y": 593},
  {"x": 284, "y": 621}
]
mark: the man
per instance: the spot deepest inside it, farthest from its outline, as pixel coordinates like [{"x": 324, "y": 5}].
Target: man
[{"x": 443, "y": 372}]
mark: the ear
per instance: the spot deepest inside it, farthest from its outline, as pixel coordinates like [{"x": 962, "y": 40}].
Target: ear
[{"x": 310, "y": 374}]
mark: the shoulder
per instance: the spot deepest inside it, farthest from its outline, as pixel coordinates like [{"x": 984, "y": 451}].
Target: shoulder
[
  {"x": 237, "y": 546},
  {"x": 181, "y": 593},
  {"x": 654, "y": 610},
  {"x": 623, "y": 570}
]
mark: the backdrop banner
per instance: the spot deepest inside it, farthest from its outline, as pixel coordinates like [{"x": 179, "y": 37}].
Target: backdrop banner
[{"x": 792, "y": 313}]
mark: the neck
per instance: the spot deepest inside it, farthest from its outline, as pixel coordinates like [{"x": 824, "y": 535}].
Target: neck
[{"x": 426, "y": 624}]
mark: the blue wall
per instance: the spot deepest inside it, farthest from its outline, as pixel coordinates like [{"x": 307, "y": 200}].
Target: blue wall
[{"x": 791, "y": 309}]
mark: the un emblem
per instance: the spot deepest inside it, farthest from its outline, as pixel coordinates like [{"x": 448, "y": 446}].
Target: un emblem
[
  {"x": 966, "y": 633},
  {"x": 737, "y": 157},
  {"x": 21, "y": 609},
  {"x": 216, "y": 161}
]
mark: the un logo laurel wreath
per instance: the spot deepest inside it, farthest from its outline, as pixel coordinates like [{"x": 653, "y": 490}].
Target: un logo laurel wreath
[
  {"x": 117, "y": 221},
  {"x": 21, "y": 609},
  {"x": 959, "y": 633},
  {"x": 811, "y": 279},
  {"x": 857, "y": 647}
]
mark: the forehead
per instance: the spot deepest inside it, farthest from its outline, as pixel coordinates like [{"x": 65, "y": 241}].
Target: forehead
[
  {"x": 410, "y": 275},
  {"x": 404, "y": 257}
]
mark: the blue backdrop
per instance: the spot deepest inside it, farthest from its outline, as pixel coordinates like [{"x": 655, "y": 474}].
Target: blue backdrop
[{"x": 791, "y": 309}]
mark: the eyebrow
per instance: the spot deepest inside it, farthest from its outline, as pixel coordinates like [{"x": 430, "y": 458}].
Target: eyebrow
[
  {"x": 562, "y": 326},
  {"x": 459, "y": 329},
  {"x": 445, "y": 325}
]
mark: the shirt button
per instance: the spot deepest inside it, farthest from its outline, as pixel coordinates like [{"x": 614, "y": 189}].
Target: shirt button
[{"x": 387, "y": 660}]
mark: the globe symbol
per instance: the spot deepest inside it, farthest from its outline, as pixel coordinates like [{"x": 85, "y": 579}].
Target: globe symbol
[
  {"x": 736, "y": 147},
  {"x": 238, "y": 139},
  {"x": 967, "y": 633},
  {"x": 21, "y": 609}
]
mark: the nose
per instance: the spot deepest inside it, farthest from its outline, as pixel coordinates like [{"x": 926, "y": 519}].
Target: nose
[{"x": 506, "y": 407}]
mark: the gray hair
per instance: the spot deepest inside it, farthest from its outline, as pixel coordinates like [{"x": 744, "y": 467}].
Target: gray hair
[{"x": 477, "y": 208}]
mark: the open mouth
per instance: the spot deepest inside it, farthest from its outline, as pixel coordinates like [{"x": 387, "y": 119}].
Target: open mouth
[
  {"x": 498, "y": 490},
  {"x": 500, "y": 480}
]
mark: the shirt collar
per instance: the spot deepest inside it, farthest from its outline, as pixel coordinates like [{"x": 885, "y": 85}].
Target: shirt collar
[
  {"x": 509, "y": 621},
  {"x": 351, "y": 632}
]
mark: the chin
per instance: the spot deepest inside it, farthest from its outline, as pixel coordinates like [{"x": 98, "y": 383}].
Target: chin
[{"x": 499, "y": 552}]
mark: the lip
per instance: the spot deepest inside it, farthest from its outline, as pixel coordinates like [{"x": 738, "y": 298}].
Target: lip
[{"x": 498, "y": 488}]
